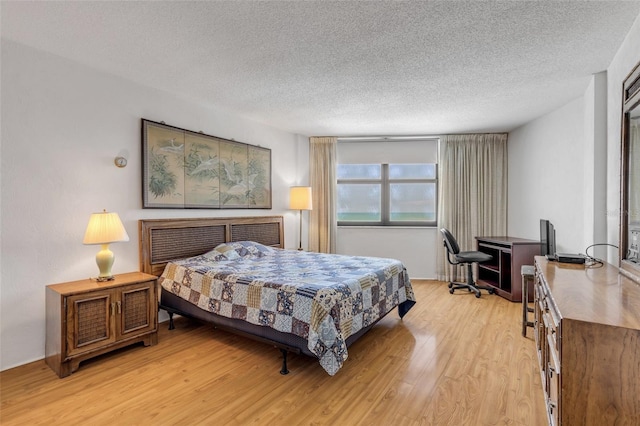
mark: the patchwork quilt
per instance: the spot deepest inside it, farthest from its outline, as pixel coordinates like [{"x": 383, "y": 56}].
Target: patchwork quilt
[{"x": 323, "y": 298}]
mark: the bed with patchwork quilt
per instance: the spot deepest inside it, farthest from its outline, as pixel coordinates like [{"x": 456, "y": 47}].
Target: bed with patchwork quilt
[{"x": 311, "y": 303}]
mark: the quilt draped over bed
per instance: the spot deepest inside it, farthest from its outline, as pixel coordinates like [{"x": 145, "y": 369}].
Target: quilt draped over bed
[{"x": 323, "y": 298}]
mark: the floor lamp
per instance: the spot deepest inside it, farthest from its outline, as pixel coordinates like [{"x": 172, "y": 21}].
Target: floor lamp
[{"x": 300, "y": 199}]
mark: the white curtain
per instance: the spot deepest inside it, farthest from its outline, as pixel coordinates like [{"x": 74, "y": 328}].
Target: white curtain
[
  {"x": 472, "y": 193},
  {"x": 322, "y": 176}
]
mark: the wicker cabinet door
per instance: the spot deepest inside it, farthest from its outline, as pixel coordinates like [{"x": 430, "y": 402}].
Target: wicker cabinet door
[
  {"x": 89, "y": 324},
  {"x": 136, "y": 309}
]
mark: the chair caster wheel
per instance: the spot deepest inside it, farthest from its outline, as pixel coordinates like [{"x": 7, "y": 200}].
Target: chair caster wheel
[
  {"x": 450, "y": 285},
  {"x": 492, "y": 291},
  {"x": 450, "y": 291},
  {"x": 477, "y": 295}
]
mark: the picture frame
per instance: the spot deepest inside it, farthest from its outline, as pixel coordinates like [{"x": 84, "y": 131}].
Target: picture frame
[{"x": 183, "y": 169}]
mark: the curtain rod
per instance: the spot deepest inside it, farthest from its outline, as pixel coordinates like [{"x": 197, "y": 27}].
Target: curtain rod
[{"x": 384, "y": 138}]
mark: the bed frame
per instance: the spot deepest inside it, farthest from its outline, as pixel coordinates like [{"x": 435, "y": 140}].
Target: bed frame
[{"x": 162, "y": 240}]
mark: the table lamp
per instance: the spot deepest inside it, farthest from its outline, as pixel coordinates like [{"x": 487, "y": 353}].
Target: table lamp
[
  {"x": 300, "y": 199},
  {"x": 105, "y": 228}
]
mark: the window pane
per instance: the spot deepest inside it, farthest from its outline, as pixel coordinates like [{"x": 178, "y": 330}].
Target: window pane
[
  {"x": 359, "y": 171},
  {"x": 413, "y": 202},
  {"x": 359, "y": 203},
  {"x": 412, "y": 171}
]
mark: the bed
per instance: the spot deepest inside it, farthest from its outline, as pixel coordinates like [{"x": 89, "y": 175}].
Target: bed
[{"x": 236, "y": 274}]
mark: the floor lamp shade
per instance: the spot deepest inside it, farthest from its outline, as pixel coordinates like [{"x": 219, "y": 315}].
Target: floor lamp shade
[
  {"x": 300, "y": 199},
  {"x": 105, "y": 228}
]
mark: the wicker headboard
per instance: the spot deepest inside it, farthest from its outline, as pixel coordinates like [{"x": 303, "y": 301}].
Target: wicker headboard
[{"x": 162, "y": 240}]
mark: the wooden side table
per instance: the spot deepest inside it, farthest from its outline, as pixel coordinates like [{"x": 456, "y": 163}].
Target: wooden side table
[{"x": 88, "y": 318}]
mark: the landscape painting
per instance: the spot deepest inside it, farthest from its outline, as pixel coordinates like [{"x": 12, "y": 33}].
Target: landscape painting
[{"x": 186, "y": 169}]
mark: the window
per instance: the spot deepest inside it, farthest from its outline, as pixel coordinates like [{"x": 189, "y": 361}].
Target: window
[
  {"x": 387, "y": 194},
  {"x": 387, "y": 181}
]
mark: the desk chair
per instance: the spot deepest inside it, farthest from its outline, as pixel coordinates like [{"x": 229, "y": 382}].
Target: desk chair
[{"x": 464, "y": 258}]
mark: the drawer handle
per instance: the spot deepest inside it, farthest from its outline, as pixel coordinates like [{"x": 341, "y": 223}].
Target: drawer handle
[
  {"x": 119, "y": 304},
  {"x": 113, "y": 309}
]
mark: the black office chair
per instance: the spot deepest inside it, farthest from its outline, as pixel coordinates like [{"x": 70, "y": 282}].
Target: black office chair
[{"x": 464, "y": 258}]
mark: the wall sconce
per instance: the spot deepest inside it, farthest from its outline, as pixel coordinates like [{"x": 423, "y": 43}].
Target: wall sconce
[{"x": 121, "y": 158}]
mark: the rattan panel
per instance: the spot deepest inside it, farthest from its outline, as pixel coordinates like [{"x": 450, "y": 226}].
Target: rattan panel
[
  {"x": 135, "y": 309},
  {"x": 92, "y": 321},
  {"x": 177, "y": 243},
  {"x": 263, "y": 233}
]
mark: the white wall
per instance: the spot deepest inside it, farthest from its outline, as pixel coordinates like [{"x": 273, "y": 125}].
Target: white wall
[
  {"x": 302, "y": 173},
  {"x": 62, "y": 126},
  {"x": 546, "y": 161},
  {"x": 595, "y": 165},
  {"x": 578, "y": 145},
  {"x": 415, "y": 247}
]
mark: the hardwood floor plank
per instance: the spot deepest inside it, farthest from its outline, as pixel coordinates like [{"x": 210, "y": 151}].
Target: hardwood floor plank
[{"x": 453, "y": 359}]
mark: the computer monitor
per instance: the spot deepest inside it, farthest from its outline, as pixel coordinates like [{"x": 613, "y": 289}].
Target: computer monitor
[
  {"x": 547, "y": 238},
  {"x": 544, "y": 237},
  {"x": 548, "y": 243}
]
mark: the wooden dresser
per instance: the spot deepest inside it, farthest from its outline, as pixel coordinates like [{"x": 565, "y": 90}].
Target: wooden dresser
[{"x": 587, "y": 332}]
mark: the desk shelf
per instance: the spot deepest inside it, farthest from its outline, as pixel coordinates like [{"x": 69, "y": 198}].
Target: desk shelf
[{"x": 503, "y": 271}]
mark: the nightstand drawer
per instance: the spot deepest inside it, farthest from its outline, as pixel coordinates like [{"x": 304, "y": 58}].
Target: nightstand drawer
[
  {"x": 136, "y": 309},
  {"x": 89, "y": 324}
]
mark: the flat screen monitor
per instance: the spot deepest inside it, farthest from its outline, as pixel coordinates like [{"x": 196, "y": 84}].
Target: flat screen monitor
[
  {"x": 544, "y": 237},
  {"x": 547, "y": 238},
  {"x": 552, "y": 240}
]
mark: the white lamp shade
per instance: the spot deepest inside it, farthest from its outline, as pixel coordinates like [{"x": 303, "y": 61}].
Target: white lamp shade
[
  {"x": 300, "y": 198},
  {"x": 105, "y": 228}
]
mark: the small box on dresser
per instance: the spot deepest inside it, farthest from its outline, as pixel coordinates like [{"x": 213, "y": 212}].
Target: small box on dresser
[{"x": 87, "y": 318}]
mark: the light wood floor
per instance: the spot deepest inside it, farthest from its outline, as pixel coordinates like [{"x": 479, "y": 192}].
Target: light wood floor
[{"x": 453, "y": 360}]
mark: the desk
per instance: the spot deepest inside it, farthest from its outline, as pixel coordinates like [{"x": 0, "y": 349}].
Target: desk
[{"x": 503, "y": 271}]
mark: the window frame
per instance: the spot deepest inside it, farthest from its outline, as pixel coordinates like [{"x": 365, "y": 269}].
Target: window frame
[{"x": 385, "y": 183}]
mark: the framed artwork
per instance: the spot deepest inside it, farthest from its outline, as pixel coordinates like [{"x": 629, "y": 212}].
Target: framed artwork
[{"x": 183, "y": 169}]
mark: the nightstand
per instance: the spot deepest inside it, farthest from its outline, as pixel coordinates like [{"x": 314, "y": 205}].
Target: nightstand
[{"x": 88, "y": 318}]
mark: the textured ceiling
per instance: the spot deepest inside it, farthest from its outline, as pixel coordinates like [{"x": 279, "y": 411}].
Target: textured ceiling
[{"x": 343, "y": 68}]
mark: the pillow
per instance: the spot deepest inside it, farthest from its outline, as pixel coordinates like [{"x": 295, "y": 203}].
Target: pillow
[
  {"x": 238, "y": 249},
  {"x": 213, "y": 256},
  {"x": 251, "y": 249},
  {"x": 226, "y": 251}
]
